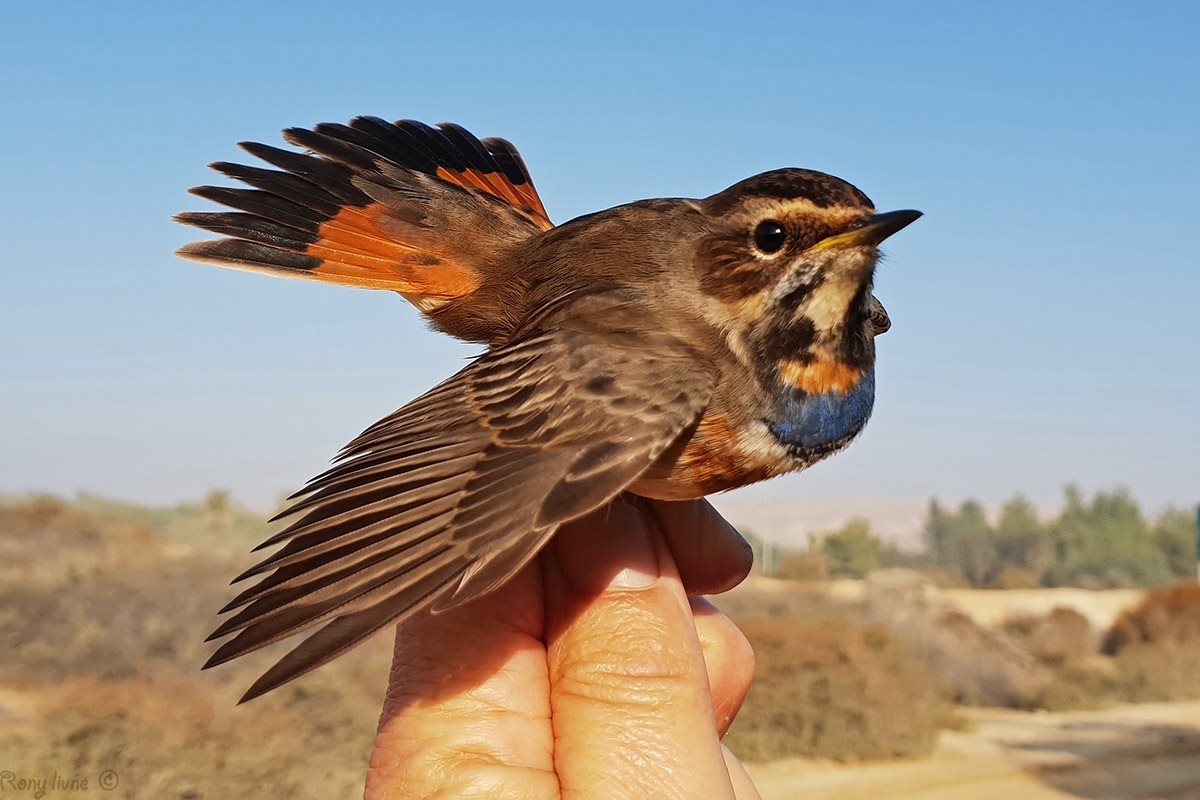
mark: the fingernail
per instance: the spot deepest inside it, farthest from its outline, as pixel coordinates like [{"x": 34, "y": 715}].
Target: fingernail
[
  {"x": 635, "y": 577},
  {"x": 612, "y": 549}
]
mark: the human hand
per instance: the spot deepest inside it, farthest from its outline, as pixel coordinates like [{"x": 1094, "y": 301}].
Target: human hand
[{"x": 590, "y": 675}]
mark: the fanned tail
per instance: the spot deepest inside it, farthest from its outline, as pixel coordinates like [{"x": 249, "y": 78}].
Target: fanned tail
[{"x": 400, "y": 206}]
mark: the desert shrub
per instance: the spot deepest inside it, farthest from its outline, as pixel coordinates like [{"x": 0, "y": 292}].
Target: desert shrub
[
  {"x": 1161, "y": 672},
  {"x": 110, "y": 622},
  {"x": 102, "y": 624},
  {"x": 836, "y": 690},
  {"x": 976, "y": 665},
  {"x": 1167, "y": 615},
  {"x": 217, "y": 523},
  {"x": 1156, "y": 644},
  {"x": 1082, "y": 684},
  {"x": 812, "y": 602},
  {"x": 114, "y": 657},
  {"x": 941, "y": 579},
  {"x": 803, "y": 565},
  {"x": 1152, "y": 654},
  {"x": 1060, "y": 637},
  {"x": 1011, "y": 577},
  {"x": 45, "y": 534},
  {"x": 174, "y": 738},
  {"x": 1142, "y": 673}
]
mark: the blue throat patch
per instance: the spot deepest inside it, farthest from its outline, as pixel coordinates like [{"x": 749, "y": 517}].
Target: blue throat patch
[{"x": 817, "y": 421}]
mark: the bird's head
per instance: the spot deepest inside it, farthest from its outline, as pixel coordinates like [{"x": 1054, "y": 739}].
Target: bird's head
[
  {"x": 788, "y": 260},
  {"x": 787, "y": 264}
]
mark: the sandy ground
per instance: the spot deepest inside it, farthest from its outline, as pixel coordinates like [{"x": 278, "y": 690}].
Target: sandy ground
[
  {"x": 990, "y": 607},
  {"x": 1143, "y": 752}
]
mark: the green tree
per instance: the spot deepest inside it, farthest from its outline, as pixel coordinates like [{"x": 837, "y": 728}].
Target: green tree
[
  {"x": 1105, "y": 542},
  {"x": 975, "y": 545},
  {"x": 936, "y": 532},
  {"x": 852, "y": 551},
  {"x": 1021, "y": 539},
  {"x": 1174, "y": 535},
  {"x": 962, "y": 544},
  {"x": 802, "y": 565},
  {"x": 1069, "y": 533}
]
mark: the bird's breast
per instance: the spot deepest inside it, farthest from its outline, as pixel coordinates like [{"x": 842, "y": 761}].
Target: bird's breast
[
  {"x": 720, "y": 454},
  {"x": 822, "y": 408},
  {"x": 818, "y": 409}
]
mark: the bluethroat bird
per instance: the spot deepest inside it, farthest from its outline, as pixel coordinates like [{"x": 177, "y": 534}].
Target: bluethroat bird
[{"x": 670, "y": 348}]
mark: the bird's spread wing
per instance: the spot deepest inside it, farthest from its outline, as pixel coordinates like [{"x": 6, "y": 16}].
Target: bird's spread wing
[
  {"x": 376, "y": 204},
  {"x": 447, "y": 498}
]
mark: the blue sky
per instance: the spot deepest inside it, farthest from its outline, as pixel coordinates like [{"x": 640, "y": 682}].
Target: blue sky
[{"x": 1044, "y": 309}]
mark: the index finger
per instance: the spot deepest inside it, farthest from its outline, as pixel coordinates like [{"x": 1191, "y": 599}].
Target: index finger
[
  {"x": 629, "y": 692},
  {"x": 467, "y": 711}
]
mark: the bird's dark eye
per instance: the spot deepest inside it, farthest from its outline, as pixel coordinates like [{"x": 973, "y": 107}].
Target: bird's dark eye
[{"x": 769, "y": 236}]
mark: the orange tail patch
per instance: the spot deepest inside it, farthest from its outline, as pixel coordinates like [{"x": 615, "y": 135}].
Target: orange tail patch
[{"x": 374, "y": 204}]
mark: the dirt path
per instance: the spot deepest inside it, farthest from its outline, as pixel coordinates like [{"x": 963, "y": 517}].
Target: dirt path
[{"x": 1145, "y": 752}]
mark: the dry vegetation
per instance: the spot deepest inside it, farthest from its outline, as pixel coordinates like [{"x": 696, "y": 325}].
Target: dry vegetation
[
  {"x": 104, "y": 608},
  {"x": 879, "y": 676},
  {"x": 828, "y": 684},
  {"x": 103, "y": 623},
  {"x": 1151, "y": 653}
]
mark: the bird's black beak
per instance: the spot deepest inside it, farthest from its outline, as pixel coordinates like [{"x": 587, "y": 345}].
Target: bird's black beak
[{"x": 872, "y": 229}]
